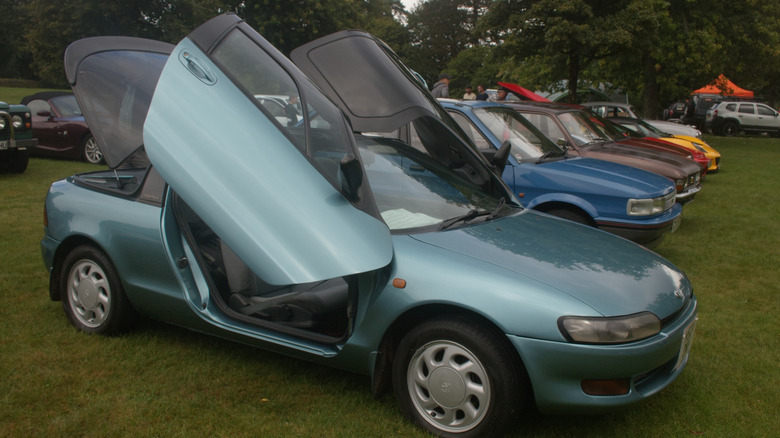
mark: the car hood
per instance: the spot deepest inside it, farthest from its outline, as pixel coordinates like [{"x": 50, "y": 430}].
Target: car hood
[
  {"x": 637, "y": 152},
  {"x": 613, "y": 276},
  {"x": 594, "y": 173}
]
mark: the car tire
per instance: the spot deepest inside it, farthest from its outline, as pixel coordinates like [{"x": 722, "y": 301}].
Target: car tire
[
  {"x": 19, "y": 161},
  {"x": 730, "y": 129},
  {"x": 455, "y": 378},
  {"x": 93, "y": 297},
  {"x": 90, "y": 150}
]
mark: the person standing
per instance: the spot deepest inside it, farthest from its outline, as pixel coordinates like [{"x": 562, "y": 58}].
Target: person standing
[
  {"x": 481, "y": 93},
  {"x": 442, "y": 88},
  {"x": 469, "y": 94}
]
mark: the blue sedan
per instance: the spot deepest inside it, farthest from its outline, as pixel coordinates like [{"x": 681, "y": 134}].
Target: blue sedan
[
  {"x": 623, "y": 200},
  {"x": 414, "y": 265}
]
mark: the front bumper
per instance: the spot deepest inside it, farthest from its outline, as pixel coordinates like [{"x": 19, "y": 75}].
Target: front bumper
[
  {"x": 649, "y": 232},
  {"x": 557, "y": 369},
  {"x": 688, "y": 194},
  {"x": 18, "y": 145}
]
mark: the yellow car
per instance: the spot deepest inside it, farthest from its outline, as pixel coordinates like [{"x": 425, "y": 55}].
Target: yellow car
[{"x": 688, "y": 142}]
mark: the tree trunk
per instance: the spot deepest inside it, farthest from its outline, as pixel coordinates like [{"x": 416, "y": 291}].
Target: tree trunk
[
  {"x": 574, "y": 72},
  {"x": 651, "y": 88}
]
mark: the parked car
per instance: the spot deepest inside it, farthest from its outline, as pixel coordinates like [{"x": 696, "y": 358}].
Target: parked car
[
  {"x": 641, "y": 127},
  {"x": 573, "y": 127},
  {"x": 623, "y": 200},
  {"x": 731, "y": 118},
  {"x": 60, "y": 127},
  {"x": 617, "y": 109},
  {"x": 617, "y": 132},
  {"x": 415, "y": 266},
  {"x": 15, "y": 137},
  {"x": 675, "y": 112}
]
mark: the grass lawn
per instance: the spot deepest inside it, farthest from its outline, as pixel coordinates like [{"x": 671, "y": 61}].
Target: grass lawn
[{"x": 161, "y": 380}]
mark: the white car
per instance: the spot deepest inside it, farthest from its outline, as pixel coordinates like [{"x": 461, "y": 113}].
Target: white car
[
  {"x": 617, "y": 109},
  {"x": 730, "y": 118}
]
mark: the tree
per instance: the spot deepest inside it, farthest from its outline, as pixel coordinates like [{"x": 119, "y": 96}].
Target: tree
[
  {"x": 557, "y": 39},
  {"x": 440, "y": 30}
]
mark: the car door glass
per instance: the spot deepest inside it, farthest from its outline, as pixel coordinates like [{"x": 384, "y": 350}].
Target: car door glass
[
  {"x": 474, "y": 135},
  {"x": 318, "y": 131},
  {"x": 746, "y": 108},
  {"x": 37, "y": 106},
  {"x": 764, "y": 111}
]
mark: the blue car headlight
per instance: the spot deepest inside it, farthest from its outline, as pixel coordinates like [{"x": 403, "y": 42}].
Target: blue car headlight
[
  {"x": 650, "y": 206},
  {"x": 614, "y": 330}
]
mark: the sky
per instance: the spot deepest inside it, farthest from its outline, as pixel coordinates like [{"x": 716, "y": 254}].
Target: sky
[{"x": 410, "y": 4}]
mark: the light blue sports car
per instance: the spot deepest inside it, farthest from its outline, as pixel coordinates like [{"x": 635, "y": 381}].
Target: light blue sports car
[{"x": 317, "y": 239}]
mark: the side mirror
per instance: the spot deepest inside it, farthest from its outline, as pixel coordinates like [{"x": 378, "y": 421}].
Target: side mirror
[
  {"x": 499, "y": 160},
  {"x": 351, "y": 176}
]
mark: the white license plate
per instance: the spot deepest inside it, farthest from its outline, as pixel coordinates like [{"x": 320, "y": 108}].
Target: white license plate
[
  {"x": 687, "y": 341},
  {"x": 3, "y": 145}
]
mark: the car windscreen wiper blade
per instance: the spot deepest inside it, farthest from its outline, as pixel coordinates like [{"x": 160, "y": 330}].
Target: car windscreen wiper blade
[
  {"x": 494, "y": 213},
  {"x": 463, "y": 218},
  {"x": 547, "y": 155},
  {"x": 471, "y": 214}
]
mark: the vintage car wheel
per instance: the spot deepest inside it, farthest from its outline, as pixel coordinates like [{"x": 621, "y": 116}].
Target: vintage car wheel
[
  {"x": 730, "y": 129},
  {"x": 455, "y": 378},
  {"x": 94, "y": 299},
  {"x": 92, "y": 153}
]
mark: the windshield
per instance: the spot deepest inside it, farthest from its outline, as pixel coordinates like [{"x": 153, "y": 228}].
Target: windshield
[
  {"x": 415, "y": 190},
  {"x": 528, "y": 144},
  {"x": 66, "y": 106},
  {"x": 608, "y": 129},
  {"x": 581, "y": 130}
]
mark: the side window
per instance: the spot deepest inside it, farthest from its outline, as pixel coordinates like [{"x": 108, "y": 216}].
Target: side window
[
  {"x": 37, "y": 106},
  {"x": 746, "y": 108},
  {"x": 731, "y": 107},
  {"x": 764, "y": 110},
  {"x": 476, "y": 137}
]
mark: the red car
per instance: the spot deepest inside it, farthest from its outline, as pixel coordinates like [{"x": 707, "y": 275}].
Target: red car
[{"x": 58, "y": 124}]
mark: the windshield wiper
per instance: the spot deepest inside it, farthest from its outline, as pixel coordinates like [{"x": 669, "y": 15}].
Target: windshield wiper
[
  {"x": 471, "y": 214},
  {"x": 547, "y": 155},
  {"x": 462, "y": 218},
  {"x": 494, "y": 213}
]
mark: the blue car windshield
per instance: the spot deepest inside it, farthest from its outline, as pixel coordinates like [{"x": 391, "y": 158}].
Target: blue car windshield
[{"x": 415, "y": 191}]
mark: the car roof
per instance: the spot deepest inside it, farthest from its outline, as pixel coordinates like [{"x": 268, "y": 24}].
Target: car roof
[
  {"x": 546, "y": 106},
  {"x": 44, "y": 95}
]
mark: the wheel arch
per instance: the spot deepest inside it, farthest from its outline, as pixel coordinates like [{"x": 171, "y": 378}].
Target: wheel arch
[
  {"x": 63, "y": 249},
  {"x": 381, "y": 377},
  {"x": 548, "y": 206}
]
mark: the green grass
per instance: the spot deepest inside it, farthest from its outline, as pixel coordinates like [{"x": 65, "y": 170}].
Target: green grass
[
  {"x": 13, "y": 96},
  {"x": 162, "y": 380}
]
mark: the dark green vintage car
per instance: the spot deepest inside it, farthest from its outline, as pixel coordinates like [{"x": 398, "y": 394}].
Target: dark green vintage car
[{"x": 15, "y": 137}]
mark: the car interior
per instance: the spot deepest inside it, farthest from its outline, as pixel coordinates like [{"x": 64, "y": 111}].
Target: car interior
[{"x": 319, "y": 310}]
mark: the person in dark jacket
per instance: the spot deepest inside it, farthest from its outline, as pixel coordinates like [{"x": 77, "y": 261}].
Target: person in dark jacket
[{"x": 442, "y": 88}]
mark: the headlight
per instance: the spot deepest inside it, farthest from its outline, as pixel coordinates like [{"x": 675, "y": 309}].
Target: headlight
[
  {"x": 18, "y": 122},
  {"x": 2, "y": 123},
  {"x": 647, "y": 207},
  {"x": 595, "y": 330}
]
